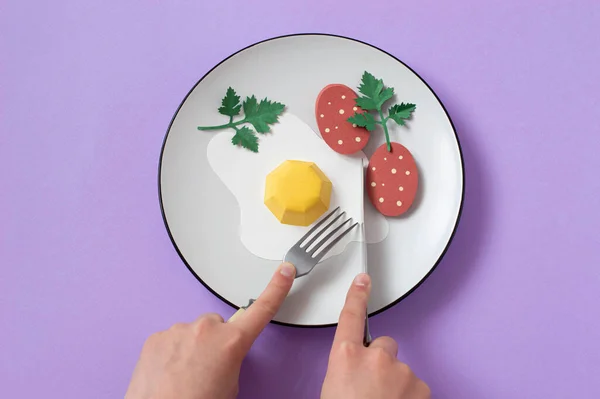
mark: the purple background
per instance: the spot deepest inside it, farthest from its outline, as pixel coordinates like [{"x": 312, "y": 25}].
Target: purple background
[{"x": 88, "y": 272}]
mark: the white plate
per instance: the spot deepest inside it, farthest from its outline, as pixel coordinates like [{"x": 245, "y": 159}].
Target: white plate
[{"x": 202, "y": 216}]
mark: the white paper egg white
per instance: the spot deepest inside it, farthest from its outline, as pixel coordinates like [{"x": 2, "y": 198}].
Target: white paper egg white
[
  {"x": 244, "y": 173},
  {"x": 202, "y": 215}
]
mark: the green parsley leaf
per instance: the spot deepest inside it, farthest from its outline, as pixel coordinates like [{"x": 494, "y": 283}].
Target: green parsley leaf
[
  {"x": 258, "y": 114},
  {"x": 245, "y": 137},
  {"x": 374, "y": 95},
  {"x": 230, "y": 104},
  {"x": 262, "y": 114},
  {"x": 374, "y": 91},
  {"x": 366, "y": 103},
  {"x": 385, "y": 95},
  {"x": 250, "y": 105},
  {"x": 370, "y": 86},
  {"x": 400, "y": 112},
  {"x": 365, "y": 120}
]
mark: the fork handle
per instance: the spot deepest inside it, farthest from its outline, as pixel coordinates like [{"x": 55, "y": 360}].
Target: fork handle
[
  {"x": 236, "y": 315},
  {"x": 240, "y": 311}
]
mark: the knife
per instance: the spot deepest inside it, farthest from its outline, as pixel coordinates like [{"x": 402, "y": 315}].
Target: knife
[{"x": 367, "y": 334}]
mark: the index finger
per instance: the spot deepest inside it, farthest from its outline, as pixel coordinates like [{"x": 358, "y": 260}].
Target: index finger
[
  {"x": 352, "y": 318},
  {"x": 257, "y": 316}
]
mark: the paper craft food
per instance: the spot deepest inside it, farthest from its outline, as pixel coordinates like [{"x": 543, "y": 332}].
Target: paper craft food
[
  {"x": 297, "y": 192},
  {"x": 244, "y": 174},
  {"x": 334, "y": 104},
  {"x": 392, "y": 179},
  {"x": 256, "y": 114}
]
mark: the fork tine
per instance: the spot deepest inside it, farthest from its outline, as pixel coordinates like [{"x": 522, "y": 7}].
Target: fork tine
[
  {"x": 328, "y": 247},
  {"x": 316, "y": 226},
  {"x": 323, "y": 230},
  {"x": 328, "y": 236}
]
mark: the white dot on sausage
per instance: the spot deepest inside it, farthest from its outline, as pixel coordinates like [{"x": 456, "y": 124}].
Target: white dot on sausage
[
  {"x": 340, "y": 142},
  {"x": 407, "y": 172},
  {"x": 393, "y": 171},
  {"x": 399, "y": 203},
  {"x": 401, "y": 188},
  {"x": 341, "y": 112},
  {"x": 343, "y": 97},
  {"x": 354, "y": 109},
  {"x": 327, "y": 130},
  {"x": 357, "y": 139},
  {"x": 373, "y": 184},
  {"x": 380, "y": 199},
  {"x": 322, "y": 116}
]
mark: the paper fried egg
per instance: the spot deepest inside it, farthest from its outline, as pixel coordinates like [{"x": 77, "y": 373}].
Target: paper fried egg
[{"x": 244, "y": 173}]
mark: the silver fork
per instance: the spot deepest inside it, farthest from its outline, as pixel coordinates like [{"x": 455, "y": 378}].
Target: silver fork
[{"x": 305, "y": 255}]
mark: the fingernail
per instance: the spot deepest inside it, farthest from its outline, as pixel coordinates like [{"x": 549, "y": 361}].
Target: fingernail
[
  {"x": 362, "y": 280},
  {"x": 287, "y": 269}
]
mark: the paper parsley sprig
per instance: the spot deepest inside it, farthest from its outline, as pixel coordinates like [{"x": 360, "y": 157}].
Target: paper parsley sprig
[
  {"x": 259, "y": 114},
  {"x": 375, "y": 94}
]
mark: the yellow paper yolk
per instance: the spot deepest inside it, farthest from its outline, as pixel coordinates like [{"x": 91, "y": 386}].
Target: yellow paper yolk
[{"x": 297, "y": 192}]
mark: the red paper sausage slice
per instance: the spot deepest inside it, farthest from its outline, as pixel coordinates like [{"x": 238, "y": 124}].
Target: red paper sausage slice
[
  {"x": 335, "y": 104},
  {"x": 392, "y": 179}
]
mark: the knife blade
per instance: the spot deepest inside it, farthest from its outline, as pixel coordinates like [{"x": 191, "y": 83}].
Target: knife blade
[{"x": 367, "y": 334}]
